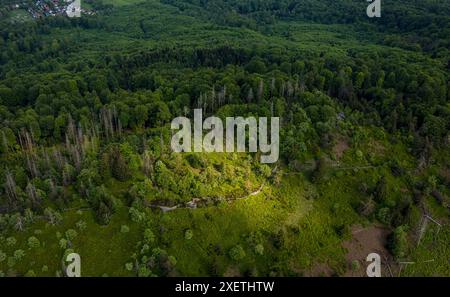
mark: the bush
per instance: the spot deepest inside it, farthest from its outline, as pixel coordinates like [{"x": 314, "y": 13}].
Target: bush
[
  {"x": 259, "y": 249},
  {"x": 19, "y": 254},
  {"x": 124, "y": 229},
  {"x": 71, "y": 234},
  {"x": 188, "y": 234},
  {"x": 129, "y": 266},
  {"x": 81, "y": 225},
  {"x": 399, "y": 242},
  {"x": 149, "y": 237},
  {"x": 10, "y": 241},
  {"x": 384, "y": 215},
  {"x": 144, "y": 272},
  {"x": 33, "y": 242},
  {"x": 196, "y": 161},
  {"x": 63, "y": 243},
  {"x": 356, "y": 265},
  {"x": 172, "y": 260},
  {"x": 136, "y": 215},
  {"x": 53, "y": 217},
  {"x": 265, "y": 170},
  {"x": 237, "y": 253}
]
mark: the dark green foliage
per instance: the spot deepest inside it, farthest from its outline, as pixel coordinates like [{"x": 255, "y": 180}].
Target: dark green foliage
[
  {"x": 115, "y": 163},
  {"x": 398, "y": 243},
  {"x": 321, "y": 169}
]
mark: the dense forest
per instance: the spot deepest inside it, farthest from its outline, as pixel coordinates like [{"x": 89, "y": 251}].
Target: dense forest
[{"x": 85, "y": 158}]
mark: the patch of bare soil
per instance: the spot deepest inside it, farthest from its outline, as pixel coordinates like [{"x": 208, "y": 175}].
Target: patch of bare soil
[
  {"x": 365, "y": 241},
  {"x": 340, "y": 147},
  {"x": 232, "y": 271},
  {"x": 319, "y": 270}
]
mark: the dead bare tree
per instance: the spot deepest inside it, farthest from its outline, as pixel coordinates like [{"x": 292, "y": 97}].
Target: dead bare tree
[
  {"x": 11, "y": 189},
  {"x": 147, "y": 165},
  {"x": 260, "y": 93},
  {"x": 423, "y": 226},
  {"x": 33, "y": 195},
  {"x": 27, "y": 146}
]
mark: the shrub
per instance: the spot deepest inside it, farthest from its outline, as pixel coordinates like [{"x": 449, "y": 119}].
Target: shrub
[
  {"x": 265, "y": 170},
  {"x": 10, "y": 241},
  {"x": 63, "y": 243},
  {"x": 144, "y": 272},
  {"x": 188, "y": 234},
  {"x": 33, "y": 242},
  {"x": 129, "y": 266},
  {"x": 196, "y": 161},
  {"x": 149, "y": 237},
  {"x": 145, "y": 248},
  {"x": 71, "y": 234},
  {"x": 259, "y": 249},
  {"x": 359, "y": 155},
  {"x": 384, "y": 215},
  {"x": 53, "y": 217},
  {"x": 136, "y": 215},
  {"x": 81, "y": 225},
  {"x": 19, "y": 254},
  {"x": 356, "y": 265},
  {"x": 172, "y": 260},
  {"x": 124, "y": 229},
  {"x": 399, "y": 242},
  {"x": 237, "y": 253}
]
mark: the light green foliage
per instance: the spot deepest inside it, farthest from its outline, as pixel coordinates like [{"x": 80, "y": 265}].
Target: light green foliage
[
  {"x": 237, "y": 253},
  {"x": 19, "y": 254},
  {"x": 63, "y": 243},
  {"x": 33, "y": 242},
  {"x": 81, "y": 225},
  {"x": 399, "y": 243},
  {"x": 129, "y": 266},
  {"x": 149, "y": 237},
  {"x": 188, "y": 234},
  {"x": 71, "y": 234},
  {"x": 259, "y": 249},
  {"x": 10, "y": 241}
]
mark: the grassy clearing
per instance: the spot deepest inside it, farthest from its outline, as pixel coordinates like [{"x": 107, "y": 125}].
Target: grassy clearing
[{"x": 103, "y": 249}]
